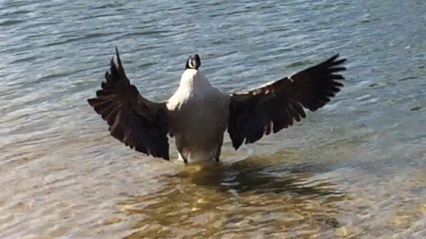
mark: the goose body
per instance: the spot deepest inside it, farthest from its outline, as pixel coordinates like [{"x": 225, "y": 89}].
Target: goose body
[{"x": 198, "y": 115}]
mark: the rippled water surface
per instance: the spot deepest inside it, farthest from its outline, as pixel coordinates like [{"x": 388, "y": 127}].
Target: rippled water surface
[{"x": 355, "y": 169}]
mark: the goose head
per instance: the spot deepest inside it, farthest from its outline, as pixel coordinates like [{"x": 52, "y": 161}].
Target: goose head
[{"x": 193, "y": 62}]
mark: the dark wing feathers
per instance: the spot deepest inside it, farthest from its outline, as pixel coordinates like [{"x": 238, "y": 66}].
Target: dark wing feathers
[
  {"x": 135, "y": 121},
  {"x": 315, "y": 86},
  {"x": 277, "y": 105}
]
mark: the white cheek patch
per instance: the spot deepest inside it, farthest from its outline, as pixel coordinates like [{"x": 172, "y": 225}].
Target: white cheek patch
[{"x": 190, "y": 63}]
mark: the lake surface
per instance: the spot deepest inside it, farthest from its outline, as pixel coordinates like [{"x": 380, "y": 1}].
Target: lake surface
[{"x": 355, "y": 169}]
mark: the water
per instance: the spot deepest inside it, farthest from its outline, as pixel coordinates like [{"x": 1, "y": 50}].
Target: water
[{"x": 355, "y": 169}]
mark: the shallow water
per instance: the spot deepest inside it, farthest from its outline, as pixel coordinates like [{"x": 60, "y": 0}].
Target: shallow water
[{"x": 355, "y": 169}]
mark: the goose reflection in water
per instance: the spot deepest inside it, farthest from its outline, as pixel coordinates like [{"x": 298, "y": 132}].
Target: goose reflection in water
[{"x": 245, "y": 195}]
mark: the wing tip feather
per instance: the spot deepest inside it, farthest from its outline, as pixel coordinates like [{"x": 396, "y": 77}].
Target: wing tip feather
[{"x": 117, "y": 55}]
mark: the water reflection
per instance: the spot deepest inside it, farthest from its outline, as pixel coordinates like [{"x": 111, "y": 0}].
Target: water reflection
[
  {"x": 256, "y": 175},
  {"x": 250, "y": 196}
]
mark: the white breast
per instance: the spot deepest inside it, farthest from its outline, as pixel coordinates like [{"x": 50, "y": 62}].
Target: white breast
[
  {"x": 193, "y": 86},
  {"x": 194, "y": 80}
]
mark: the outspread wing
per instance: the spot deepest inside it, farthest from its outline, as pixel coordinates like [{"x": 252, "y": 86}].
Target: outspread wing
[
  {"x": 135, "y": 121},
  {"x": 278, "y": 104}
]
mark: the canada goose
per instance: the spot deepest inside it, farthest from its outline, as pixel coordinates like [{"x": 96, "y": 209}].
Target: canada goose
[{"x": 198, "y": 114}]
